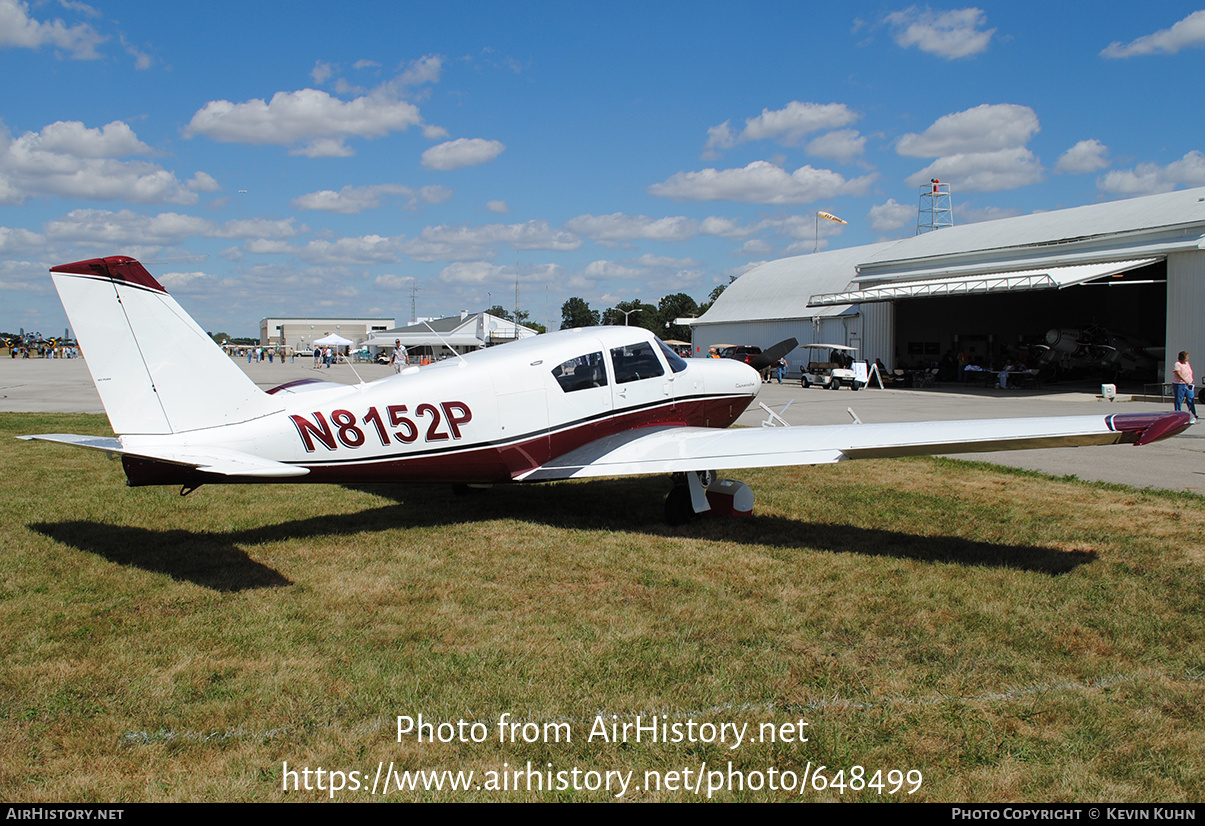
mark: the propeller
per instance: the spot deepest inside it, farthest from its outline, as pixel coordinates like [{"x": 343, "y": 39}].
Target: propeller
[{"x": 773, "y": 354}]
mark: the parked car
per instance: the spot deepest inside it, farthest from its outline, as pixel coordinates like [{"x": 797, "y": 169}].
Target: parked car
[{"x": 744, "y": 352}]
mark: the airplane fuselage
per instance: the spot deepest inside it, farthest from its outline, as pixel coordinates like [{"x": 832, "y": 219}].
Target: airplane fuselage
[{"x": 489, "y": 417}]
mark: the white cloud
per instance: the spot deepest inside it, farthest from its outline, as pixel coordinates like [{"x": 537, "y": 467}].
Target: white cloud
[
  {"x": 70, "y": 160},
  {"x": 499, "y": 207},
  {"x": 841, "y": 145},
  {"x": 760, "y": 182},
  {"x": 891, "y": 216},
  {"x": 257, "y": 228},
  {"x": 621, "y": 228},
  {"x": 351, "y": 200},
  {"x": 1150, "y": 178},
  {"x": 312, "y": 121},
  {"x": 392, "y": 282},
  {"x": 203, "y": 182},
  {"x": 19, "y": 30},
  {"x": 462, "y": 152},
  {"x": 103, "y": 228},
  {"x": 470, "y": 272},
  {"x": 1085, "y": 156},
  {"x": 950, "y": 34},
  {"x": 984, "y": 171},
  {"x": 985, "y": 128},
  {"x": 786, "y": 126},
  {"x": 1188, "y": 33},
  {"x": 465, "y": 243},
  {"x": 322, "y": 71},
  {"x": 15, "y": 241},
  {"x": 367, "y": 249}
]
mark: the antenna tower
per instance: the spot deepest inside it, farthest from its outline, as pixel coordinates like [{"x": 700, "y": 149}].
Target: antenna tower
[{"x": 936, "y": 209}]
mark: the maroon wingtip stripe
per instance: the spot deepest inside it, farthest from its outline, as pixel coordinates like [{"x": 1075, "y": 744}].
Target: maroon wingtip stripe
[
  {"x": 116, "y": 267},
  {"x": 1144, "y": 428}
]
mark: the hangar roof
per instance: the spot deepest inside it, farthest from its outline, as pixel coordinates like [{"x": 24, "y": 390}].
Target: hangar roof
[{"x": 1119, "y": 231}]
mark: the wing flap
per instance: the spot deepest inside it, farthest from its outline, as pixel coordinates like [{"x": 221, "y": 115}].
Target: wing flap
[{"x": 677, "y": 449}]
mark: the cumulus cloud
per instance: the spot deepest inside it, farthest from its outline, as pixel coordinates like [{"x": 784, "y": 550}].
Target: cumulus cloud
[
  {"x": 985, "y": 128},
  {"x": 499, "y": 207},
  {"x": 70, "y": 160},
  {"x": 462, "y": 152},
  {"x": 760, "y": 182},
  {"x": 891, "y": 216},
  {"x": 470, "y": 272},
  {"x": 843, "y": 145},
  {"x": 1150, "y": 178},
  {"x": 1188, "y": 33},
  {"x": 981, "y": 149},
  {"x": 352, "y": 200},
  {"x": 952, "y": 34},
  {"x": 19, "y": 30},
  {"x": 1085, "y": 156},
  {"x": 984, "y": 171},
  {"x": 311, "y": 121},
  {"x": 786, "y": 126},
  {"x": 464, "y": 243},
  {"x": 621, "y": 228},
  {"x": 104, "y": 228}
]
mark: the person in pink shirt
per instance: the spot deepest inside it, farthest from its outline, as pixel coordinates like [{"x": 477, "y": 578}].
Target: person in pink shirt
[{"x": 1182, "y": 383}]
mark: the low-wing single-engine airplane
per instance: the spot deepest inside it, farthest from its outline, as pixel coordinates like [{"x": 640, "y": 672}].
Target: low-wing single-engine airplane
[{"x": 592, "y": 402}]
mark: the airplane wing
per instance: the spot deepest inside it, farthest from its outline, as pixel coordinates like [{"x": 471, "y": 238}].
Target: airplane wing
[
  {"x": 208, "y": 459},
  {"x": 681, "y": 449}
]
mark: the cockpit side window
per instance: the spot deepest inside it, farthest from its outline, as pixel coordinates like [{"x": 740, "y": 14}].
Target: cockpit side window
[
  {"x": 582, "y": 373},
  {"x": 635, "y": 361},
  {"x": 676, "y": 362}
]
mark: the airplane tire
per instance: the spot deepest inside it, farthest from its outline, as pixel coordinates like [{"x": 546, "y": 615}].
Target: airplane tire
[
  {"x": 678, "y": 509},
  {"x": 835, "y": 384}
]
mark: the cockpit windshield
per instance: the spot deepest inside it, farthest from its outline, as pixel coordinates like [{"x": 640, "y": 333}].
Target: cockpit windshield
[{"x": 676, "y": 362}]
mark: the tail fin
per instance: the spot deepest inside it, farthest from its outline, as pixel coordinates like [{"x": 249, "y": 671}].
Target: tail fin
[{"x": 155, "y": 369}]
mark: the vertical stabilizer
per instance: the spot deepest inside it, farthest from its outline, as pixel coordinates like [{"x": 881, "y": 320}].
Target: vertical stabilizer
[{"x": 155, "y": 369}]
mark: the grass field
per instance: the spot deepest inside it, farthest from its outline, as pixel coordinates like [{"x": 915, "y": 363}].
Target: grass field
[{"x": 1009, "y": 636}]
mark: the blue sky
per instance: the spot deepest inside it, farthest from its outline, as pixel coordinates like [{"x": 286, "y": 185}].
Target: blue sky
[{"x": 280, "y": 159}]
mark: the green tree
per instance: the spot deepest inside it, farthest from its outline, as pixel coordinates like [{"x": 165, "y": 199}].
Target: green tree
[
  {"x": 577, "y": 313},
  {"x": 498, "y": 312},
  {"x": 639, "y": 314},
  {"x": 678, "y": 305}
]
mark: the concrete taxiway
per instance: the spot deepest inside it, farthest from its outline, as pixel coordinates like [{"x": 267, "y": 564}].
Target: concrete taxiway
[{"x": 64, "y": 386}]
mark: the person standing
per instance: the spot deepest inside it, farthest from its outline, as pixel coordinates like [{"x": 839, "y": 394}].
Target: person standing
[{"x": 1182, "y": 383}]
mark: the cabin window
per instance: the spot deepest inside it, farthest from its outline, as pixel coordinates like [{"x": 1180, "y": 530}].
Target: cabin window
[
  {"x": 581, "y": 373},
  {"x": 635, "y": 361},
  {"x": 676, "y": 362}
]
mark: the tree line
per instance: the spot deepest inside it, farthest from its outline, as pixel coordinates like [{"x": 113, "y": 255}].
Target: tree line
[{"x": 658, "y": 318}]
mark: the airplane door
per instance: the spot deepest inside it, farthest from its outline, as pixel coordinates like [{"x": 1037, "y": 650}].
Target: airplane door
[
  {"x": 643, "y": 392},
  {"x": 579, "y": 401}
]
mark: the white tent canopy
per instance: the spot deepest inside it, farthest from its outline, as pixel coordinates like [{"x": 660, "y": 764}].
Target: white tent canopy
[{"x": 333, "y": 340}]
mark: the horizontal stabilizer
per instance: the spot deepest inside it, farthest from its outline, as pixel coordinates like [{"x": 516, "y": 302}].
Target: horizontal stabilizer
[{"x": 206, "y": 459}]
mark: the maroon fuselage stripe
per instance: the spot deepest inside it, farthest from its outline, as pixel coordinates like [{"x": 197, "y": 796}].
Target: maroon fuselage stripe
[{"x": 489, "y": 463}]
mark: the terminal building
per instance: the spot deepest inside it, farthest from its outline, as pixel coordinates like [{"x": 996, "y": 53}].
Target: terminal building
[{"x": 1120, "y": 283}]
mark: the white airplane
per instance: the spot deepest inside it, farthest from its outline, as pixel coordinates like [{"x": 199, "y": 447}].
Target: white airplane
[{"x": 592, "y": 402}]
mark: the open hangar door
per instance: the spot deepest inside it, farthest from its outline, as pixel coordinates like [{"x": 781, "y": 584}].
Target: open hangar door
[{"x": 1109, "y": 327}]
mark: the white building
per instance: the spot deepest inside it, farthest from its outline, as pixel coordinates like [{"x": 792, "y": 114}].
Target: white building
[
  {"x": 299, "y": 333},
  {"x": 1133, "y": 267},
  {"x": 461, "y": 333}
]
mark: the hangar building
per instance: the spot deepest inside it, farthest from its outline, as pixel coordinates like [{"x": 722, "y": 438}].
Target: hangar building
[{"x": 1130, "y": 272}]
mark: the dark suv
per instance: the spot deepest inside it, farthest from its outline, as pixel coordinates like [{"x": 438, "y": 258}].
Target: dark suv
[{"x": 743, "y": 353}]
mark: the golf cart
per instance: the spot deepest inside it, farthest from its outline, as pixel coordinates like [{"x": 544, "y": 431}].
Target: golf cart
[{"x": 831, "y": 373}]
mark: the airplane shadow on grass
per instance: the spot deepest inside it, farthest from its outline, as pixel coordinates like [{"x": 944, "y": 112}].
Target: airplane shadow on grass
[{"x": 215, "y": 560}]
